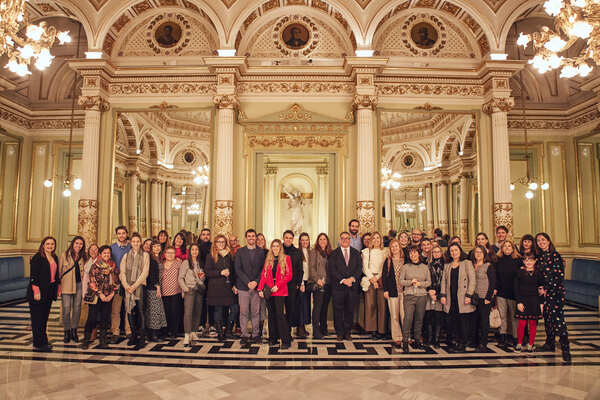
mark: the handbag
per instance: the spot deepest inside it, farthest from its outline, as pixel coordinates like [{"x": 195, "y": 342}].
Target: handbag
[
  {"x": 495, "y": 320},
  {"x": 90, "y": 298},
  {"x": 266, "y": 292},
  {"x": 200, "y": 288},
  {"x": 475, "y": 299}
]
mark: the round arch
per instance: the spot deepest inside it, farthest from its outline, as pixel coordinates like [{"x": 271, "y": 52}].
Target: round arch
[
  {"x": 79, "y": 16},
  {"x": 254, "y": 5},
  {"x": 111, "y": 18},
  {"x": 399, "y": 148},
  {"x": 511, "y": 18},
  {"x": 376, "y": 20},
  {"x": 202, "y": 149}
]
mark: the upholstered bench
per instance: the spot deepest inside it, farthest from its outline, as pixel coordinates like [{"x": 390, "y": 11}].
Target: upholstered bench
[
  {"x": 13, "y": 284},
  {"x": 584, "y": 285}
]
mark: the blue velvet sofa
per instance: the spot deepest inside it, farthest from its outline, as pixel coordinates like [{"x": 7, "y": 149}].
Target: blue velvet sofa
[
  {"x": 584, "y": 285},
  {"x": 13, "y": 284}
]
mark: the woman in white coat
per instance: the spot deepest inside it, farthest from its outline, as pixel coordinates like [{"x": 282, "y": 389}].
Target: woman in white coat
[{"x": 373, "y": 258}]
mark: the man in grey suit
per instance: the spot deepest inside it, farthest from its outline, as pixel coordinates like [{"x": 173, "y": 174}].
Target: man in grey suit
[{"x": 249, "y": 261}]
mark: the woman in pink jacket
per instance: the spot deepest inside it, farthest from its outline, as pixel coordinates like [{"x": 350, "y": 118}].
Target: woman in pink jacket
[{"x": 276, "y": 279}]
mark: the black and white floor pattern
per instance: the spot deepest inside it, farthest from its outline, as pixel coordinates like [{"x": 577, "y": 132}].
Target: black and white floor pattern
[{"x": 327, "y": 354}]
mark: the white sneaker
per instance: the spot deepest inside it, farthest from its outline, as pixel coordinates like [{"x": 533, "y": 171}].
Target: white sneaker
[
  {"x": 518, "y": 348},
  {"x": 212, "y": 332},
  {"x": 194, "y": 336},
  {"x": 201, "y": 331},
  {"x": 186, "y": 339}
]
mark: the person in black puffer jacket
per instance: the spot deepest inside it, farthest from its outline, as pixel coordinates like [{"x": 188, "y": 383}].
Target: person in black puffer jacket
[{"x": 434, "y": 315}]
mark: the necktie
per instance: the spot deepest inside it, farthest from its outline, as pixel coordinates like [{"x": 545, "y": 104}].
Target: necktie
[{"x": 346, "y": 257}]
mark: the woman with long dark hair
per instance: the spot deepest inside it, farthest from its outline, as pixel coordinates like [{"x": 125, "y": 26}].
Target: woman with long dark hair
[
  {"x": 481, "y": 239},
  {"x": 303, "y": 298},
  {"x": 220, "y": 288},
  {"x": 276, "y": 274},
  {"x": 71, "y": 264},
  {"x": 485, "y": 276},
  {"x": 42, "y": 291},
  {"x": 163, "y": 239},
  {"x": 104, "y": 283},
  {"x": 551, "y": 264},
  {"x": 191, "y": 280},
  {"x": 180, "y": 245},
  {"x": 321, "y": 289},
  {"x": 156, "y": 320},
  {"x": 434, "y": 313},
  {"x": 526, "y": 246}
]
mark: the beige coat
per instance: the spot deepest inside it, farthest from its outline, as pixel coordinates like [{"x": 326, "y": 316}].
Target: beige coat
[
  {"x": 68, "y": 283},
  {"x": 466, "y": 286},
  {"x": 141, "y": 280}
]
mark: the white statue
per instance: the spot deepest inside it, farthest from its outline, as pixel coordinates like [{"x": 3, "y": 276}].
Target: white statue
[{"x": 295, "y": 205}]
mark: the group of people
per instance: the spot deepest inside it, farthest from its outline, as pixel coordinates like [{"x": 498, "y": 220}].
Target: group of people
[{"x": 408, "y": 289}]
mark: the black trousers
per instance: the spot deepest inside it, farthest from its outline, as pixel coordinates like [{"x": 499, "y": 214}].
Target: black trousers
[
  {"x": 481, "y": 323},
  {"x": 173, "y": 312},
  {"x": 321, "y": 301},
  {"x": 98, "y": 315},
  {"x": 344, "y": 303},
  {"x": 137, "y": 319},
  {"x": 433, "y": 324},
  {"x": 39, "y": 311},
  {"x": 458, "y": 327},
  {"x": 291, "y": 306},
  {"x": 278, "y": 326}
]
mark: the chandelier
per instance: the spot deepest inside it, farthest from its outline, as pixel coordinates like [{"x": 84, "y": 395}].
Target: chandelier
[
  {"x": 531, "y": 183},
  {"x": 405, "y": 207},
  {"x": 389, "y": 179},
  {"x": 574, "y": 19},
  {"x": 194, "y": 209},
  {"x": 201, "y": 175},
  {"x": 33, "y": 47}
]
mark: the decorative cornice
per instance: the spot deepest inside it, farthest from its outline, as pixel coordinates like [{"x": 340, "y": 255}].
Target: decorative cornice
[
  {"x": 516, "y": 122},
  {"x": 428, "y": 107},
  {"x": 364, "y": 101},
  {"x": 161, "y": 88},
  {"x": 427, "y": 89},
  {"x": 38, "y": 123},
  {"x": 295, "y": 142},
  {"x": 245, "y": 88},
  {"x": 97, "y": 103},
  {"x": 498, "y": 104},
  {"x": 226, "y": 101},
  {"x": 295, "y": 113}
]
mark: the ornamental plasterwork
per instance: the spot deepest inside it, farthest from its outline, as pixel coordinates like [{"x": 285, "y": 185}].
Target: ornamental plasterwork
[
  {"x": 295, "y": 142},
  {"x": 38, "y": 123},
  {"x": 162, "y": 89},
  {"x": 496, "y": 104},
  {"x": 364, "y": 101},
  {"x": 295, "y": 113},
  {"x": 409, "y": 89},
  {"x": 296, "y": 88},
  {"x": 516, "y": 122},
  {"x": 226, "y": 101},
  {"x": 97, "y": 103}
]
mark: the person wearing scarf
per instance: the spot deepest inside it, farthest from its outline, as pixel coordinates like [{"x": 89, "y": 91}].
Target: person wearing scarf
[
  {"x": 134, "y": 271},
  {"x": 104, "y": 283}
]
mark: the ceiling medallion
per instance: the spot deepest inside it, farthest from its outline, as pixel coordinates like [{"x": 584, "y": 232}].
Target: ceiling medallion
[
  {"x": 168, "y": 34},
  {"x": 424, "y": 34},
  {"x": 296, "y": 35}
]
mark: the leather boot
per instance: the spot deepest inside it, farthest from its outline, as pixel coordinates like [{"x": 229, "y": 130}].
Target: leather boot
[
  {"x": 85, "y": 343},
  {"x": 549, "y": 345},
  {"x": 67, "y": 337},
  {"x": 103, "y": 338},
  {"x": 566, "y": 351},
  {"x": 74, "y": 335},
  {"x": 220, "y": 334},
  {"x": 229, "y": 331},
  {"x": 301, "y": 331}
]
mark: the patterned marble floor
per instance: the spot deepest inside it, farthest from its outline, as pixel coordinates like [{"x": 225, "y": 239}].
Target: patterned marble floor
[{"x": 359, "y": 369}]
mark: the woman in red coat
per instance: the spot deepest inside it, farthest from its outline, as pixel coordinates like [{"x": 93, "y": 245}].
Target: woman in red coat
[{"x": 277, "y": 279}]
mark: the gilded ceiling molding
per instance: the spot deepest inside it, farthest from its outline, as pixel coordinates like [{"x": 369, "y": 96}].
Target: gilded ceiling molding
[
  {"x": 498, "y": 104},
  {"x": 516, "y": 122},
  {"x": 164, "y": 106},
  {"x": 428, "y": 107},
  {"x": 97, "y": 103},
  {"x": 295, "y": 113},
  {"x": 295, "y": 87},
  {"x": 410, "y": 89},
  {"x": 495, "y": 4},
  {"x": 295, "y": 142},
  {"x": 38, "y": 123},
  {"x": 161, "y": 88}
]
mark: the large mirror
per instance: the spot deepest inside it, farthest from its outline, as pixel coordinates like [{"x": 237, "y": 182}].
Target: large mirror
[
  {"x": 429, "y": 172},
  {"x": 588, "y": 185},
  {"x": 10, "y": 158},
  {"x": 162, "y": 170}
]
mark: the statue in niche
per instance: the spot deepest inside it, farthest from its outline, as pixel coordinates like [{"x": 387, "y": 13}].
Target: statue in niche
[{"x": 295, "y": 205}]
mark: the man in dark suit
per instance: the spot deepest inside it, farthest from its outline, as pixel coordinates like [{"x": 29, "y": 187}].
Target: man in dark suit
[
  {"x": 249, "y": 261},
  {"x": 291, "y": 308},
  {"x": 344, "y": 268}
]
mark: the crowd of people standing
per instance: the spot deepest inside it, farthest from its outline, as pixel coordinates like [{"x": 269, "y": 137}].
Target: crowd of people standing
[{"x": 411, "y": 290}]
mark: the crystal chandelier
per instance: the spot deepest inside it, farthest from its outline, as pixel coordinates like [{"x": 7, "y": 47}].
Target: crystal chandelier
[
  {"x": 526, "y": 180},
  {"x": 33, "y": 47},
  {"x": 194, "y": 209},
  {"x": 201, "y": 175},
  {"x": 389, "y": 179},
  {"x": 574, "y": 19},
  {"x": 405, "y": 207}
]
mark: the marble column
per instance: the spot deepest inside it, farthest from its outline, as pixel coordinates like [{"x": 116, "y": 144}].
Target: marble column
[
  {"x": 322, "y": 174},
  {"x": 498, "y": 108},
  {"x": 168, "y": 208},
  {"x": 133, "y": 200},
  {"x": 365, "y": 166},
  {"x": 443, "y": 206},
  {"x": 87, "y": 218},
  {"x": 464, "y": 209},
  {"x": 224, "y": 164},
  {"x": 387, "y": 197},
  {"x": 271, "y": 198},
  {"x": 429, "y": 210},
  {"x": 155, "y": 207}
]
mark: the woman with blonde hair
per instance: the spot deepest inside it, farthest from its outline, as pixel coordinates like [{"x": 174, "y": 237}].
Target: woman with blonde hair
[
  {"x": 373, "y": 258},
  {"x": 276, "y": 274},
  {"x": 507, "y": 267},
  {"x": 220, "y": 288},
  {"x": 392, "y": 289}
]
